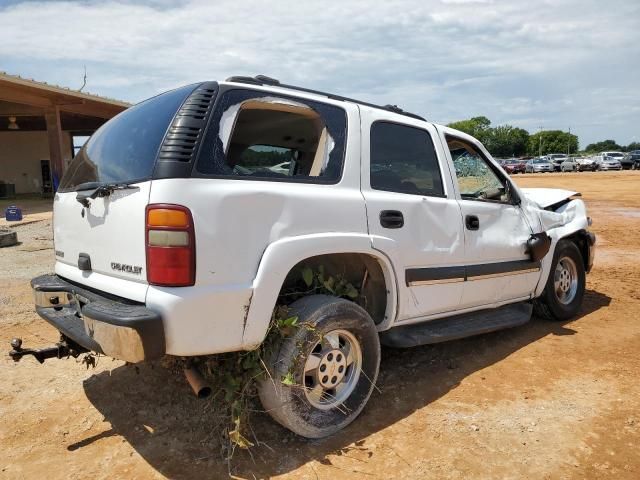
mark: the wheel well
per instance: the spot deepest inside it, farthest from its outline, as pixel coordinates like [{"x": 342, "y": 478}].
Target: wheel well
[
  {"x": 362, "y": 270},
  {"x": 580, "y": 239}
]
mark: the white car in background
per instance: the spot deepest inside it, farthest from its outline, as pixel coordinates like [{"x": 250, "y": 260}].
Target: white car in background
[
  {"x": 609, "y": 160},
  {"x": 585, "y": 163}
]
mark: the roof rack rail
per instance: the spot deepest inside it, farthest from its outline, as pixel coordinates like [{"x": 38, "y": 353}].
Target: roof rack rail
[{"x": 264, "y": 80}]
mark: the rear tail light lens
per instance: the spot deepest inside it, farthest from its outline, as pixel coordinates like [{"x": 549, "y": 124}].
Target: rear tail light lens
[{"x": 170, "y": 242}]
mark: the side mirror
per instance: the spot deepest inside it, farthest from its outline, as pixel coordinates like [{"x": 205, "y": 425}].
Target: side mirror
[{"x": 538, "y": 246}]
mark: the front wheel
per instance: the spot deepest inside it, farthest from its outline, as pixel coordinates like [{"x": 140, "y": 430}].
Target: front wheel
[
  {"x": 564, "y": 290},
  {"x": 322, "y": 375}
]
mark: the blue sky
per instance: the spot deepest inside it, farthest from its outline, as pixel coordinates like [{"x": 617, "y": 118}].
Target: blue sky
[{"x": 549, "y": 64}]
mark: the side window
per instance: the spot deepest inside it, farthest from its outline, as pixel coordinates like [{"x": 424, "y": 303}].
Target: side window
[
  {"x": 403, "y": 159},
  {"x": 253, "y": 135},
  {"x": 476, "y": 179}
]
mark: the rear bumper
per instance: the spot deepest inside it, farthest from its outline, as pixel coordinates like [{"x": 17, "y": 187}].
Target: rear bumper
[{"x": 100, "y": 322}]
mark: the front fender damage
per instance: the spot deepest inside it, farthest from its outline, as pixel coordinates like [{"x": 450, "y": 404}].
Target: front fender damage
[{"x": 568, "y": 221}]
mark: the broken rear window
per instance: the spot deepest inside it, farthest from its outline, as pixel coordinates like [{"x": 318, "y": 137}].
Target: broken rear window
[{"x": 255, "y": 135}]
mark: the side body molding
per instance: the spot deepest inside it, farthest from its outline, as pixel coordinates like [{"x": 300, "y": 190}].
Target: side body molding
[{"x": 282, "y": 255}]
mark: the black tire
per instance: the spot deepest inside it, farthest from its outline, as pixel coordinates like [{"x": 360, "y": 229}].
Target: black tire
[
  {"x": 549, "y": 305},
  {"x": 289, "y": 405},
  {"x": 8, "y": 238}
]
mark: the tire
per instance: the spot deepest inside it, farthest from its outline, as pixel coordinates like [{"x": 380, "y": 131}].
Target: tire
[
  {"x": 309, "y": 407},
  {"x": 8, "y": 238},
  {"x": 564, "y": 290}
]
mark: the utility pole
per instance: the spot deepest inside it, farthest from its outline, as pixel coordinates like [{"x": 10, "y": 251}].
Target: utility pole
[
  {"x": 540, "y": 143},
  {"x": 569, "y": 143}
]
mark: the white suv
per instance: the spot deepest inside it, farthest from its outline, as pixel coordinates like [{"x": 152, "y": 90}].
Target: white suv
[{"x": 183, "y": 220}]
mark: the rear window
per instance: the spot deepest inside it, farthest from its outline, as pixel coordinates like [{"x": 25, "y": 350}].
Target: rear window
[
  {"x": 124, "y": 149},
  {"x": 257, "y": 136}
]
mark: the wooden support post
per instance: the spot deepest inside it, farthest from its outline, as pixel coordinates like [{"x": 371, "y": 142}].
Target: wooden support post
[{"x": 54, "y": 135}]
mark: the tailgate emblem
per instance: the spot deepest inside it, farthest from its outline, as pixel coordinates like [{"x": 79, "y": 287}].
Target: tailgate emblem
[{"x": 121, "y": 267}]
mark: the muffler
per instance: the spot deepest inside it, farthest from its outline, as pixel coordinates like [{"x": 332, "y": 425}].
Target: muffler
[{"x": 197, "y": 382}]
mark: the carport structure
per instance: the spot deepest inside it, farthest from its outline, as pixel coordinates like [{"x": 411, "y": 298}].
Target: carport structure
[{"x": 37, "y": 124}]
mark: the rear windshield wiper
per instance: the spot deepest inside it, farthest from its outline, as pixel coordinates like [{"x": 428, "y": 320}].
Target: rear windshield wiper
[{"x": 93, "y": 190}]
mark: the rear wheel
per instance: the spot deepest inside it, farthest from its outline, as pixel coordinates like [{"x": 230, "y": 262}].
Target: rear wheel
[
  {"x": 564, "y": 291},
  {"x": 331, "y": 365}
]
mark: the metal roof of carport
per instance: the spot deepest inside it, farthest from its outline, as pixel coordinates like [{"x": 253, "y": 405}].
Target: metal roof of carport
[
  {"x": 27, "y": 97},
  {"x": 14, "y": 88}
]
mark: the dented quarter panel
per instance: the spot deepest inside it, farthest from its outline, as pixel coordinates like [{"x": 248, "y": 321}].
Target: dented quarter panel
[{"x": 236, "y": 223}]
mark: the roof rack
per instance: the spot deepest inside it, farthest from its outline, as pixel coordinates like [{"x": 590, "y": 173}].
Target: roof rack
[{"x": 264, "y": 80}]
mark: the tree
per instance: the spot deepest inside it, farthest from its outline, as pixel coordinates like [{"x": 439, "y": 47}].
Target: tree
[
  {"x": 632, "y": 146},
  {"x": 552, "y": 141},
  {"x": 507, "y": 141},
  {"x": 605, "y": 145},
  {"x": 477, "y": 127}
]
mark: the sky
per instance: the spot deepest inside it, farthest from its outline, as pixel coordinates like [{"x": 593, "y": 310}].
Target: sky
[{"x": 531, "y": 64}]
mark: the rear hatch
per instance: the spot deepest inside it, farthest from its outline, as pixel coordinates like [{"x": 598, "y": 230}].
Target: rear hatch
[{"x": 99, "y": 209}]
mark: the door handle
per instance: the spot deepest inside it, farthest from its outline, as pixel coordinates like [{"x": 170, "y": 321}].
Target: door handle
[
  {"x": 391, "y": 219},
  {"x": 472, "y": 222}
]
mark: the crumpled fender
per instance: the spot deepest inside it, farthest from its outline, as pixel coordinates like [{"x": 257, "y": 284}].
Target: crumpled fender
[
  {"x": 545, "y": 197},
  {"x": 566, "y": 220}
]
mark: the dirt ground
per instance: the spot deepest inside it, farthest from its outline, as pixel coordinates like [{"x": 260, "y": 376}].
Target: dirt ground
[{"x": 545, "y": 400}]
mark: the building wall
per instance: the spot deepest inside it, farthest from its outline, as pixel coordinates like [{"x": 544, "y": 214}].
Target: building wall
[{"x": 20, "y": 155}]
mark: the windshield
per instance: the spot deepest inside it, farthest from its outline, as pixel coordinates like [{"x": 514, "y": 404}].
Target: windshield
[
  {"x": 540, "y": 160},
  {"x": 615, "y": 155},
  {"x": 124, "y": 149}
]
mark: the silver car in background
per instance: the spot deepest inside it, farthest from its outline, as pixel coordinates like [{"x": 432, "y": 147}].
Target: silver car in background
[
  {"x": 538, "y": 165},
  {"x": 568, "y": 165},
  {"x": 609, "y": 160}
]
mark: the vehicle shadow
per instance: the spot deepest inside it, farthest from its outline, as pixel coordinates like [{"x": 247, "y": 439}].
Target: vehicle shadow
[{"x": 154, "y": 410}]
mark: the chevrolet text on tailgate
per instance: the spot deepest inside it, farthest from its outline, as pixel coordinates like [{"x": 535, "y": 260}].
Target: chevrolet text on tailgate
[{"x": 187, "y": 219}]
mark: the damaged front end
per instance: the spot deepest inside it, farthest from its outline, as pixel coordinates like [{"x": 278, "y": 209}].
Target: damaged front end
[{"x": 563, "y": 215}]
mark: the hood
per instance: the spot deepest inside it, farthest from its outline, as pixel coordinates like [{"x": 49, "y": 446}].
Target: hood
[{"x": 545, "y": 197}]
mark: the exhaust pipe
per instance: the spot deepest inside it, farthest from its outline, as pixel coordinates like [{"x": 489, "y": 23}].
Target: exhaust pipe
[{"x": 197, "y": 382}]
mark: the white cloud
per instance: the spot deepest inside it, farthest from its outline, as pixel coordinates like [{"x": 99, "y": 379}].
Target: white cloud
[{"x": 527, "y": 63}]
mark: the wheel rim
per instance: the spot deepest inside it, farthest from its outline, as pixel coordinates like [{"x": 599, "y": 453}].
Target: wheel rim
[
  {"x": 566, "y": 280},
  {"x": 332, "y": 369}
]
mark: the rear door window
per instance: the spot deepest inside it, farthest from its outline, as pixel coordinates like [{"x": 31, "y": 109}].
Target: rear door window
[
  {"x": 257, "y": 136},
  {"x": 403, "y": 159},
  {"x": 125, "y": 148}
]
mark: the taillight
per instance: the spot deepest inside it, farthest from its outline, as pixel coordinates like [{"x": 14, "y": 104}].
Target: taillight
[{"x": 171, "y": 246}]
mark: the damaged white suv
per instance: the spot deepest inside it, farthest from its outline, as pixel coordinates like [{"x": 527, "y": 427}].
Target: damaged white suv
[{"x": 183, "y": 219}]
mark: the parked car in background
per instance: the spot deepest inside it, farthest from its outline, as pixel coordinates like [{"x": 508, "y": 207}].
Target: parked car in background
[
  {"x": 609, "y": 160},
  {"x": 631, "y": 161},
  {"x": 513, "y": 165},
  {"x": 538, "y": 165},
  {"x": 556, "y": 159},
  {"x": 569, "y": 165},
  {"x": 585, "y": 163}
]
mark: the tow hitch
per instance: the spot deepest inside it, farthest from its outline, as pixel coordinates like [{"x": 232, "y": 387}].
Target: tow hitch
[{"x": 65, "y": 348}]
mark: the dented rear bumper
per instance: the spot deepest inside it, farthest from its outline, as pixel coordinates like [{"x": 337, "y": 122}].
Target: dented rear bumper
[{"x": 100, "y": 322}]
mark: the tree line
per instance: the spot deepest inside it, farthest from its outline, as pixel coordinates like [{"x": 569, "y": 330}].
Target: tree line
[{"x": 510, "y": 141}]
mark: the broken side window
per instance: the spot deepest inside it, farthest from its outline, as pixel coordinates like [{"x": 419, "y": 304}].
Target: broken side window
[{"x": 255, "y": 135}]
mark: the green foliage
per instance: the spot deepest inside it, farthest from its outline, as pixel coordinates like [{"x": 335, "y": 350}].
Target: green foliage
[
  {"x": 233, "y": 375},
  {"x": 552, "y": 141},
  {"x": 333, "y": 285},
  {"x": 604, "y": 146},
  {"x": 501, "y": 141},
  {"x": 477, "y": 127},
  {"x": 507, "y": 141}
]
